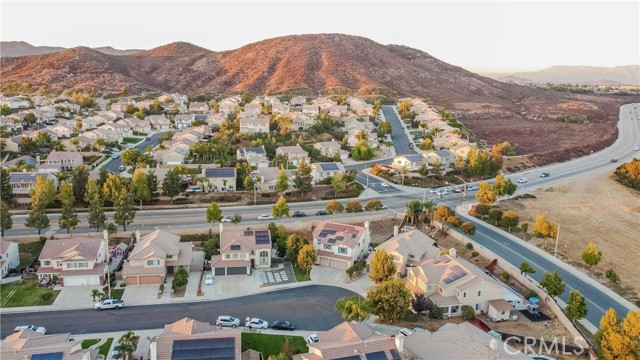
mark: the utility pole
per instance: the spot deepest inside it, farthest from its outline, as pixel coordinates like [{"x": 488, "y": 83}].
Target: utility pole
[{"x": 555, "y": 252}]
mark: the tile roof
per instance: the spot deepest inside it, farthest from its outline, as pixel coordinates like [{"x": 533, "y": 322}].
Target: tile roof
[
  {"x": 64, "y": 155},
  {"x": 78, "y": 246},
  {"x": 4, "y": 245},
  {"x": 158, "y": 243},
  {"x": 414, "y": 242},
  {"x": 181, "y": 336},
  {"x": 338, "y": 234},
  {"x": 246, "y": 239}
]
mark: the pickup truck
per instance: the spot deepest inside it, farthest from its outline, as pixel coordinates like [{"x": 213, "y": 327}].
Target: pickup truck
[
  {"x": 109, "y": 304},
  {"x": 38, "y": 329}
]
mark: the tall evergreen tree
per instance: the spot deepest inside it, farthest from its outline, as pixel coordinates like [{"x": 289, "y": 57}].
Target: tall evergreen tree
[
  {"x": 37, "y": 219},
  {"x": 68, "y": 216},
  {"x": 6, "y": 222},
  {"x": 79, "y": 178},
  {"x": 93, "y": 198},
  {"x": 171, "y": 184},
  {"x": 152, "y": 183},
  {"x": 6, "y": 192},
  {"x": 124, "y": 212},
  {"x": 302, "y": 179}
]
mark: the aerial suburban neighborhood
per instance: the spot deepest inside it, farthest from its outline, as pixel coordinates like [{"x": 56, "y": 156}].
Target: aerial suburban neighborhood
[{"x": 311, "y": 197}]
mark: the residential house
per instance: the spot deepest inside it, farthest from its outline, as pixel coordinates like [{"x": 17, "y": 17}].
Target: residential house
[
  {"x": 12, "y": 143},
  {"x": 172, "y": 155},
  {"x": 144, "y": 104},
  {"x": 301, "y": 122},
  {"x": 69, "y": 107},
  {"x": 23, "y": 182},
  {"x": 27, "y": 344},
  {"x": 184, "y": 121},
  {"x": 227, "y": 106},
  {"x": 122, "y": 129},
  {"x": 241, "y": 251},
  {"x": 75, "y": 261},
  {"x": 456, "y": 341},
  {"x": 340, "y": 245},
  {"x": 175, "y": 106},
  {"x": 255, "y": 125},
  {"x": 83, "y": 141},
  {"x": 353, "y": 341},
  {"x": 255, "y": 156},
  {"x": 253, "y": 110},
  {"x": 92, "y": 122},
  {"x": 24, "y": 159},
  {"x": 354, "y": 127},
  {"x": 111, "y": 115},
  {"x": 198, "y": 108},
  {"x": 121, "y": 105},
  {"x": 58, "y": 161},
  {"x": 293, "y": 154},
  {"x": 220, "y": 179},
  {"x": 321, "y": 171},
  {"x": 408, "y": 162},
  {"x": 324, "y": 104},
  {"x": 279, "y": 109},
  {"x": 137, "y": 125},
  {"x": 154, "y": 256},
  {"x": 104, "y": 134},
  {"x": 446, "y": 158},
  {"x": 268, "y": 177},
  {"x": 15, "y": 102},
  {"x": 216, "y": 119},
  {"x": 409, "y": 249},
  {"x": 311, "y": 110},
  {"x": 187, "y": 337},
  {"x": 298, "y": 101},
  {"x": 159, "y": 122},
  {"x": 62, "y": 130},
  {"x": 8, "y": 124},
  {"x": 338, "y": 111},
  {"x": 451, "y": 282},
  {"x": 9, "y": 257},
  {"x": 329, "y": 148}
]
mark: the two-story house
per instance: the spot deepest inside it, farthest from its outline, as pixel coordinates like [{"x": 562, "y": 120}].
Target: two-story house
[
  {"x": 293, "y": 154},
  {"x": 227, "y": 107},
  {"x": 408, "y": 162},
  {"x": 338, "y": 111},
  {"x": 119, "y": 128},
  {"x": 340, "y": 245},
  {"x": 255, "y": 125},
  {"x": 328, "y": 148},
  {"x": 241, "y": 251},
  {"x": 74, "y": 261},
  {"x": 198, "y": 108},
  {"x": 159, "y": 122},
  {"x": 9, "y": 257},
  {"x": 321, "y": 171},
  {"x": 300, "y": 122},
  {"x": 279, "y": 109},
  {"x": 255, "y": 156},
  {"x": 137, "y": 125},
  {"x": 62, "y": 130},
  {"x": 184, "y": 121},
  {"x": 444, "y": 157},
  {"x": 311, "y": 110},
  {"x": 409, "y": 249},
  {"x": 253, "y": 110},
  {"x": 58, "y": 161},
  {"x": 298, "y": 101},
  {"x": 267, "y": 178},
  {"x": 221, "y": 179},
  {"x": 23, "y": 182},
  {"x": 154, "y": 256}
]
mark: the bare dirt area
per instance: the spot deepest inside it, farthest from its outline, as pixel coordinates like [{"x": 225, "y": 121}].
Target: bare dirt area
[
  {"x": 511, "y": 164},
  {"x": 597, "y": 210}
]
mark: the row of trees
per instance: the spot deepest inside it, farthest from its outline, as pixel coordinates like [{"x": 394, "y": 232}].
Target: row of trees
[{"x": 487, "y": 194}]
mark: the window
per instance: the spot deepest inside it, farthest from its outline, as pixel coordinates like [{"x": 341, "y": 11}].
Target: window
[
  {"x": 478, "y": 292},
  {"x": 327, "y": 247},
  {"x": 464, "y": 294},
  {"x": 477, "y": 306},
  {"x": 72, "y": 265},
  {"x": 47, "y": 263},
  {"x": 411, "y": 256},
  {"x": 342, "y": 250},
  {"x": 227, "y": 256},
  {"x": 150, "y": 262},
  {"x": 83, "y": 265},
  {"x": 169, "y": 256},
  {"x": 235, "y": 256},
  {"x": 502, "y": 312},
  {"x": 430, "y": 287}
]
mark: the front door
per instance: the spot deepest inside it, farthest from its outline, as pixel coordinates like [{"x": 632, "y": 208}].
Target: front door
[{"x": 169, "y": 269}]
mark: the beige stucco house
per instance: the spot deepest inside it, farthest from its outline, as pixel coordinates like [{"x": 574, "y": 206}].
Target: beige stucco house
[
  {"x": 321, "y": 171},
  {"x": 409, "y": 249},
  {"x": 340, "y": 245},
  {"x": 240, "y": 251},
  {"x": 75, "y": 261}
]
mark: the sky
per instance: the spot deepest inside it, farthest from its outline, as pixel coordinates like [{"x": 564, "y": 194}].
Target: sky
[{"x": 477, "y": 35}]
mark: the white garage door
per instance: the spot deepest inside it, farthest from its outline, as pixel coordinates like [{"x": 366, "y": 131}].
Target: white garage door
[{"x": 81, "y": 280}]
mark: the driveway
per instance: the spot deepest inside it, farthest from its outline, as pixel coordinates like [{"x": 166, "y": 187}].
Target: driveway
[
  {"x": 76, "y": 297},
  {"x": 279, "y": 276}
]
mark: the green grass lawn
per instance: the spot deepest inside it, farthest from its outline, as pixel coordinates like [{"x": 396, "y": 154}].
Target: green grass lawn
[
  {"x": 271, "y": 344},
  {"x": 33, "y": 249},
  {"x": 89, "y": 343},
  {"x": 301, "y": 275},
  {"x": 28, "y": 293},
  {"x": 130, "y": 140},
  {"x": 117, "y": 293},
  {"x": 104, "y": 348}
]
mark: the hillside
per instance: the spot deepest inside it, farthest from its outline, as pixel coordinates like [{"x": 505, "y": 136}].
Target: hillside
[
  {"x": 21, "y": 48},
  {"x": 583, "y": 75}
]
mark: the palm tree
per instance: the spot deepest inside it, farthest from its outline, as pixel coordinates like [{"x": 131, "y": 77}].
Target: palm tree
[
  {"x": 361, "y": 135},
  {"x": 100, "y": 144},
  {"x": 128, "y": 343},
  {"x": 413, "y": 209},
  {"x": 353, "y": 308},
  {"x": 279, "y": 161},
  {"x": 429, "y": 209},
  {"x": 94, "y": 293},
  {"x": 57, "y": 146}
]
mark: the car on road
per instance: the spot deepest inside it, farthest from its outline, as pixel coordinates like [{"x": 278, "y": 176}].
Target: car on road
[
  {"x": 109, "y": 304},
  {"x": 457, "y": 190},
  {"x": 544, "y": 174},
  {"x": 227, "y": 219},
  {"x": 614, "y": 160},
  {"x": 147, "y": 138},
  {"x": 265, "y": 217},
  {"x": 225, "y": 320},
  {"x": 384, "y": 207},
  {"x": 208, "y": 279},
  {"x": 322, "y": 212},
  {"x": 522, "y": 181},
  {"x": 122, "y": 168},
  {"x": 256, "y": 323},
  {"x": 472, "y": 187},
  {"x": 298, "y": 214},
  {"x": 115, "y": 155},
  {"x": 405, "y": 332},
  {"x": 283, "y": 325},
  {"x": 384, "y": 185},
  {"x": 313, "y": 338},
  {"x": 636, "y": 148},
  {"x": 38, "y": 329}
]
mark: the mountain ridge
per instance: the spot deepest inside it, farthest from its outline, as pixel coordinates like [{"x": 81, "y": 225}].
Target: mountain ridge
[
  {"x": 582, "y": 75},
  {"x": 23, "y": 48}
]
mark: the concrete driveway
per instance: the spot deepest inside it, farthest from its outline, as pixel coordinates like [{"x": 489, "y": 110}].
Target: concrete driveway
[
  {"x": 73, "y": 297},
  {"x": 324, "y": 275}
]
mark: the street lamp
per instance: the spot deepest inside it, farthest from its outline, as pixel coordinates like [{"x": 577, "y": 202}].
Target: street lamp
[
  {"x": 555, "y": 252},
  {"x": 464, "y": 194}
]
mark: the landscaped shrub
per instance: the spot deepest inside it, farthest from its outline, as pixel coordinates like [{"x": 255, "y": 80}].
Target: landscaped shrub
[
  {"x": 505, "y": 275},
  {"x": 470, "y": 246},
  {"x": 420, "y": 303},
  {"x": 357, "y": 269},
  {"x": 435, "y": 312},
  {"x": 180, "y": 278},
  {"x": 530, "y": 293},
  {"x": 182, "y": 201},
  {"x": 123, "y": 284},
  {"x": 475, "y": 253},
  {"x": 467, "y": 312}
]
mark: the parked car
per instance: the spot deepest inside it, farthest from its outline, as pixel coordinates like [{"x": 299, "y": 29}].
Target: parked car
[
  {"x": 38, "y": 329},
  {"x": 115, "y": 156},
  {"x": 147, "y": 138},
  {"x": 313, "y": 338},
  {"x": 194, "y": 189},
  {"x": 544, "y": 174},
  {"x": 322, "y": 212},
  {"x": 298, "y": 214},
  {"x": 227, "y": 219},
  {"x": 131, "y": 146},
  {"x": 225, "y": 320},
  {"x": 115, "y": 352},
  {"x": 265, "y": 217},
  {"x": 522, "y": 180},
  {"x": 256, "y": 323},
  {"x": 122, "y": 168},
  {"x": 614, "y": 160},
  {"x": 383, "y": 207},
  {"x": 109, "y": 304},
  {"x": 283, "y": 325},
  {"x": 208, "y": 279},
  {"x": 405, "y": 332}
]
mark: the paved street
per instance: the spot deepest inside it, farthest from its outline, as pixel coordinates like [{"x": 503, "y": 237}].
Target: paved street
[
  {"x": 398, "y": 135},
  {"x": 113, "y": 164}
]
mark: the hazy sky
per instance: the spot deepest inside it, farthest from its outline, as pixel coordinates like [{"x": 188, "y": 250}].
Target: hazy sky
[{"x": 472, "y": 34}]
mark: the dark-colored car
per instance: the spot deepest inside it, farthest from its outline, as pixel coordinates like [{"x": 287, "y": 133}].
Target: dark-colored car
[
  {"x": 322, "y": 212},
  {"x": 544, "y": 174},
  {"x": 283, "y": 325},
  {"x": 298, "y": 214},
  {"x": 614, "y": 160}
]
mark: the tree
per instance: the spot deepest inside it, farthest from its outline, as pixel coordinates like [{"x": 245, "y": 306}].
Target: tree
[
  {"x": 282, "y": 183},
  {"x": 140, "y": 187},
  {"x": 510, "y": 219},
  {"x": 111, "y": 228},
  {"x": 280, "y": 208},
  {"x": 100, "y": 144},
  {"x": 429, "y": 211},
  {"x": 576, "y": 308},
  {"x": 390, "y": 299},
  {"x": 352, "y": 308},
  {"x": 303, "y": 180},
  {"x": 79, "y": 178},
  {"x": 94, "y": 293},
  {"x": 294, "y": 243},
  {"x": 339, "y": 183},
  {"x": 437, "y": 169},
  {"x": 6, "y": 191},
  {"x": 373, "y": 205},
  {"x": 591, "y": 256},
  {"x": 307, "y": 257},
  {"x": 362, "y": 151},
  {"x": 526, "y": 269},
  {"x": 126, "y": 346},
  {"x": 612, "y": 276},
  {"x": 510, "y": 188},
  {"x": 171, "y": 184},
  {"x": 619, "y": 340},
  {"x": 483, "y": 209},
  {"x": 68, "y": 216},
  {"x": 543, "y": 229},
  {"x": 248, "y": 183},
  {"x": 214, "y": 213},
  {"x": 361, "y": 135},
  {"x": 37, "y": 219},
  {"x": 96, "y": 217},
  {"x": 552, "y": 283},
  {"x": 413, "y": 210},
  {"x": 78, "y": 126},
  {"x": 485, "y": 194},
  {"x": 5, "y": 110},
  {"x": 279, "y": 161},
  {"x": 445, "y": 215},
  {"x": 384, "y": 129},
  {"x": 130, "y": 157},
  {"x": 420, "y": 303},
  {"x": 43, "y": 193},
  {"x": 353, "y": 206},
  {"x": 468, "y": 228},
  {"x": 525, "y": 227},
  {"x": 382, "y": 267},
  {"x": 468, "y": 313},
  {"x": 499, "y": 185},
  {"x": 112, "y": 187},
  {"x": 6, "y": 223},
  {"x": 124, "y": 213},
  {"x": 334, "y": 207},
  {"x": 152, "y": 183},
  {"x": 30, "y": 118}
]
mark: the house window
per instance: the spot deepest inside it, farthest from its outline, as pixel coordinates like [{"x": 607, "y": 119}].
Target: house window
[
  {"x": 464, "y": 294},
  {"x": 83, "y": 265},
  {"x": 502, "y": 312},
  {"x": 150, "y": 262},
  {"x": 342, "y": 250},
  {"x": 430, "y": 287},
  {"x": 327, "y": 247},
  {"x": 227, "y": 256},
  {"x": 47, "y": 263},
  {"x": 72, "y": 265},
  {"x": 477, "y": 306},
  {"x": 169, "y": 256},
  {"x": 411, "y": 256},
  {"x": 478, "y": 292},
  {"x": 235, "y": 256}
]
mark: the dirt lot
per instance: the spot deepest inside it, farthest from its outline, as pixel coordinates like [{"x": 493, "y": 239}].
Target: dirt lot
[{"x": 599, "y": 210}]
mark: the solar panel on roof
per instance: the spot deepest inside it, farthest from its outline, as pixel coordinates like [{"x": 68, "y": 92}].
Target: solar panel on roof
[
  {"x": 395, "y": 355},
  {"x": 447, "y": 280},
  {"x": 331, "y": 232},
  {"x": 329, "y": 167},
  {"x": 220, "y": 172},
  {"x": 323, "y": 234},
  {"x": 378, "y": 355},
  {"x": 235, "y": 247},
  {"x": 47, "y": 356},
  {"x": 339, "y": 238},
  {"x": 414, "y": 158},
  {"x": 195, "y": 349},
  {"x": 262, "y": 237},
  {"x": 262, "y": 233}
]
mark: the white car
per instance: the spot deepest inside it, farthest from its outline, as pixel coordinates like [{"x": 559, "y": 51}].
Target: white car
[
  {"x": 522, "y": 180},
  {"x": 265, "y": 217},
  {"x": 405, "y": 332},
  {"x": 256, "y": 323},
  {"x": 225, "y": 320},
  {"x": 227, "y": 219},
  {"x": 384, "y": 185},
  {"x": 313, "y": 338},
  {"x": 208, "y": 279},
  {"x": 636, "y": 148},
  {"x": 38, "y": 329}
]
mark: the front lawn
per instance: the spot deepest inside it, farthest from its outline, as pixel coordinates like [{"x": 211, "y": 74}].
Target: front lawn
[
  {"x": 104, "y": 348},
  {"x": 272, "y": 344},
  {"x": 89, "y": 343},
  {"x": 117, "y": 293},
  {"x": 130, "y": 140},
  {"x": 27, "y": 293},
  {"x": 33, "y": 249},
  {"x": 301, "y": 275}
]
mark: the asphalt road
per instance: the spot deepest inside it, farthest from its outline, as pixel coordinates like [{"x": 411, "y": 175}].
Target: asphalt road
[
  {"x": 309, "y": 308},
  {"x": 113, "y": 164},
  {"x": 398, "y": 135}
]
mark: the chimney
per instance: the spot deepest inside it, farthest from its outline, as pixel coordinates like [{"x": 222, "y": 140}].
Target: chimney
[
  {"x": 105, "y": 235},
  {"x": 400, "y": 343},
  {"x": 452, "y": 252},
  {"x": 493, "y": 344},
  {"x": 395, "y": 230},
  {"x": 137, "y": 236},
  {"x": 221, "y": 228}
]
